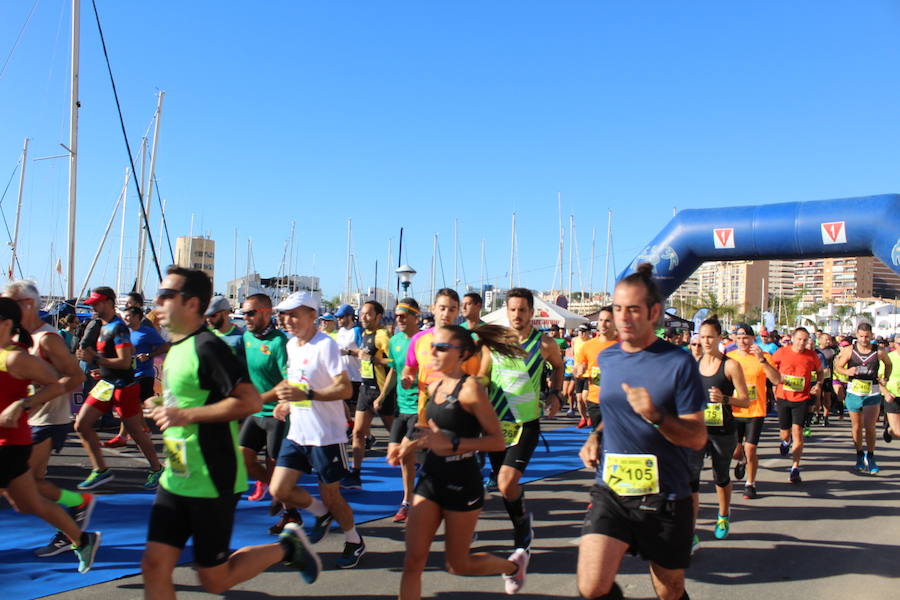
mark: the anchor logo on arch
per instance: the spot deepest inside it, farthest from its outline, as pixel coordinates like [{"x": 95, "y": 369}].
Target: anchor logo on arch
[{"x": 895, "y": 253}]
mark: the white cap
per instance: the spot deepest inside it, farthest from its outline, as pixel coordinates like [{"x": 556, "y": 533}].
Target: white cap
[{"x": 296, "y": 300}]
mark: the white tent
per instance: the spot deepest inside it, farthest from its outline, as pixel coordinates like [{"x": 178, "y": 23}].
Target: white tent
[{"x": 545, "y": 315}]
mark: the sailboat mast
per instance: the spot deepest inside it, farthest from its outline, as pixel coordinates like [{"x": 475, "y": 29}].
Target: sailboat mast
[
  {"x": 433, "y": 265},
  {"x": 608, "y": 245},
  {"x": 512, "y": 250},
  {"x": 571, "y": 247},
  {"x": 73, "y": 146},
  {"x": 455, "y": 254},
  {"x": 387, "y": 271},
  {"x": 138, "y": 275},
  {"x": 348, "y": 289},
  {"x": 122, "y": 231},
  {"x": 593, "y": 252},
  {"x": 291, "y": 261},
  {"x": 15, "y": 241},
  {"x": 148, "y": 194},
  {"x": 483, "y": 282}
]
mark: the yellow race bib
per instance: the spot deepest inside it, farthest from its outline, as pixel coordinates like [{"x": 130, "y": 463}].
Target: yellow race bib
[
  {"x": 714, "y": 415},
  {"x": 631, "y": 474},
  {"x": 793, "y": 383},
  {"x": 512, "y": 431},
  {"x": 751, "y": 392},
  {"x": 306, "y": 404},
  {"x": 103, "y": 391},
  {"x": 595, "y": 376},
  {"x": 367, "y": 370},
  {"x": 860, "y": 387},
  {"x": 176, "y": 457}
]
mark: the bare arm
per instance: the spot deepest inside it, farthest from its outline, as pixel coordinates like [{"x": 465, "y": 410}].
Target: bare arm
[
  {"x": 243, "y": 401},
  {"x": 25, "y": 366},
  {"x": 741, "y": 397},
  {"x": 840, "y": 363},
  {"x": 550, "y": 352},
  {"x": 682, "y": 430},
  {"x": 122, "y": 360},
  {"x": 339, "y": 389},
  {"x": 882, "y": 355},
  {"x": 58, "y": 355}
]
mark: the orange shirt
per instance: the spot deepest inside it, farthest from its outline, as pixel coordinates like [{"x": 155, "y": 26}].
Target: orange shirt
[
  {"x": 755, "y": 376},
  {"x": 419, "y": 356},
  {"x": 796, "y": 370},
  {"x": 587, "y": 355}
]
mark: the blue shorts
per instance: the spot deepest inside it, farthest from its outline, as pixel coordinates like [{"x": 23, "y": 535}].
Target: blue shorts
[
  {"x": 856, "y": 403},
  {"x": 328, "y": 462},
  {"x": 57, "y": 433}
]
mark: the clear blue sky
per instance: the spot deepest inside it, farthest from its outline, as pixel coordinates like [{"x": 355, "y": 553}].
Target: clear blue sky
[{"x": 418, "y": 113}]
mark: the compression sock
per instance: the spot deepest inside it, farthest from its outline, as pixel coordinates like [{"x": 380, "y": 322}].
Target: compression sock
[
  {"x": 70, "y": 499},
  {"x": 317, "y": 507},
  {"x": 515, "y": 508}
]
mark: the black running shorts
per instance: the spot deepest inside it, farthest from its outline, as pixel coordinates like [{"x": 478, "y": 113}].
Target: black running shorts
[
  {"x": 465, "y": 492},
  {"x": 749, "y": 429},
  {"x": 174, "y": 519},
  {"x": 13, "y": 463},
  {"x": 402, "y": 425},
  {"x": 791, "y": 413},
  {"x": 657, "y": 529},
  {"x": 365, "y": 401},
  {"x": 260, "y": 432},
  {"x": 519, "y": 456}
]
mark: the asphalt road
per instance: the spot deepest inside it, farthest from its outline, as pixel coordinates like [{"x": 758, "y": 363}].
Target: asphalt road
[{"x": 833, "y": 536}]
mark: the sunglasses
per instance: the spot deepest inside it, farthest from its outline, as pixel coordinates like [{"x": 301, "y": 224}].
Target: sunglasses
[
  {"x": 169, "y": 293},
  {"x": 251, "y": 313},
  {"x": 695, "y": 344},
  {"x": 444, "y": 346}
]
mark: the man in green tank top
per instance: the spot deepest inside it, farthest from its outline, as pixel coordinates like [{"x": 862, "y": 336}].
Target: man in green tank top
[
  {"x": 205, "y": 391},
  {"x": 515, "y": 393},
  {"x": 891, "y": 391}
]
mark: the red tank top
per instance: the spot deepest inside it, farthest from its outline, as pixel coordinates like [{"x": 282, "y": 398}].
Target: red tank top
[{"x": 12, "y": 389}]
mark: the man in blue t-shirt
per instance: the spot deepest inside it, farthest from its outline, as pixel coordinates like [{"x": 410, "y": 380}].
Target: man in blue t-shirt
[
  {"x": 652, "y": 400},
  {"x": 148, "y": 344}
]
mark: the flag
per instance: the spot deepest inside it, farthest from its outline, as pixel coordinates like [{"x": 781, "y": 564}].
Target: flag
[{"x": 59, "y": 266}]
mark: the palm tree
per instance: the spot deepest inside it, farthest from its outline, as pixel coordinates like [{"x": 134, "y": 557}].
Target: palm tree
[{"x": 845, "y": 314}]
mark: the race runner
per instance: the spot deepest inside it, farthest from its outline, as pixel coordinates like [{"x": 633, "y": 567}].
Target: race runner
[
  {"x": 263, "y": 348},
  {"x": 515, "y": 394},
  {"x": 51, "y": 423},
  {"x": 586, "y": 362},
  {"x": 313, "y": 394},
  {"x": 723, "y": 379},
  {"x": 374, "y": 360},
  {"x": 748, "y": 421},
  {"x": 205, "y": 391},
  {"x": 460, "y": 423},
  {"x": 18, "y": 371},
  {"x": 891, "y": 393},
  {"x": 860, "y": 363},
  {"x": 218, "y": 317},
  {"x": 829, "y": 351},
  {"x": 471, "y": 310},
  {"x": 797, "y": 365},
  {"x": 115, "y": 387},
  {"x": 406, "y": 314},
  {"x": 581, "y": 381},
  {"x": 652, "y": 400}
]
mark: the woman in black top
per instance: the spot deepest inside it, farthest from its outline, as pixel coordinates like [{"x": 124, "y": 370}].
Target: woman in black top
[
  {"x": 724, "y": 379},
  {"x": 461, "y": 422}
]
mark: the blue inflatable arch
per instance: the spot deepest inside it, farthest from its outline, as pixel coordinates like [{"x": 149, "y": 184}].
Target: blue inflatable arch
[{"x": 867, "y": 226}]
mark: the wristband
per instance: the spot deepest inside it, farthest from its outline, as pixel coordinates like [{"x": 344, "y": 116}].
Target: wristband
[
  {"x": 660, "y": 421},
  {"x": 310, "y": 395},
  {"x": 455, "y": 442}
]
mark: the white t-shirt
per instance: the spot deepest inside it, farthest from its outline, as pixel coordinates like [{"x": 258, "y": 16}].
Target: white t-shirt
[
  {"x": 314, "y": 365},
  {"x": 346, "y": 339}
]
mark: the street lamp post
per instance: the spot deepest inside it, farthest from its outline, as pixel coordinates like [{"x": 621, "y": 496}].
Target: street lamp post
[{"x": 405, "y": 273}]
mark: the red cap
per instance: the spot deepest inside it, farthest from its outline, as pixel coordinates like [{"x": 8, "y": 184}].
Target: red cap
[{"x": 96, "y": 297}]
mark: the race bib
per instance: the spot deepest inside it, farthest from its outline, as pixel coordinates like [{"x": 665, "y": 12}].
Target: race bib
[
  {"x": 367, "y": 370},
  {"x": 793, "y": 383},
  {"x": 103, "y": 391},
  {"x": 814, "y": 377},
  {"x": 860, "y": 387},
  {"x": 512, "y": 431},
  {"x": 569, "y": 370},
  {"x": 301, "y": 385},
  {"x": 751, "y": 392},
  {"x": 595, "y": 376},
  {"x": 631, "y": 474},
  {"x": 176, "y": 457},
  {"x": 714, "y": 415}
]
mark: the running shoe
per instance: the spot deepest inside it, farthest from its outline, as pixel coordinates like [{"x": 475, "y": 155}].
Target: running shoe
[
  {"x": 82, "y": 514},
  {"x": 320, "y": 528},
  {"x": 871, "y": 466},
  {"x": 59, "y": 544},
  {"x": 490, "y": 484},
  {"x": 371, "y": 440},
  {"x": 740, "y": 470},
  {"x": 352, "y": 481},
  {"x": 523, "y": 534},
  {"x": 515, "y": 582},
  {"x": 119, "y": 441},
  {"x": 784, "y": 448},
  {"x": 153, "y": 479},
  {"x": 887, "y": 434},
  {"x": 288, "y": 516},
  {"x": 402, "y": 513},
  {"x": 570, "y": 413},
  {"x": 301, "y": 554},
  {"x": 795, "y": 475},
  {"x": 825, "y": 421},
  {"x": 349, "y": 558},
  {"x": 695, "y": 544},
  {"x": 750, "y": 492},
  {"x": 259, "y": 492},
  {"x": 860, "y": 462},
  {"x": 807, "y": 431},
  {"x": 722, "y": 527},
  {"x": 582, "y": 423},
  {"x": 87, "y": 550},
  {"x": 96, "y": 479}
]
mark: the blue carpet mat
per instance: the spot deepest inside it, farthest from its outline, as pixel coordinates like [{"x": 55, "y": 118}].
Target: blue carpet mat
[{"x": 123, "y": 519}]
